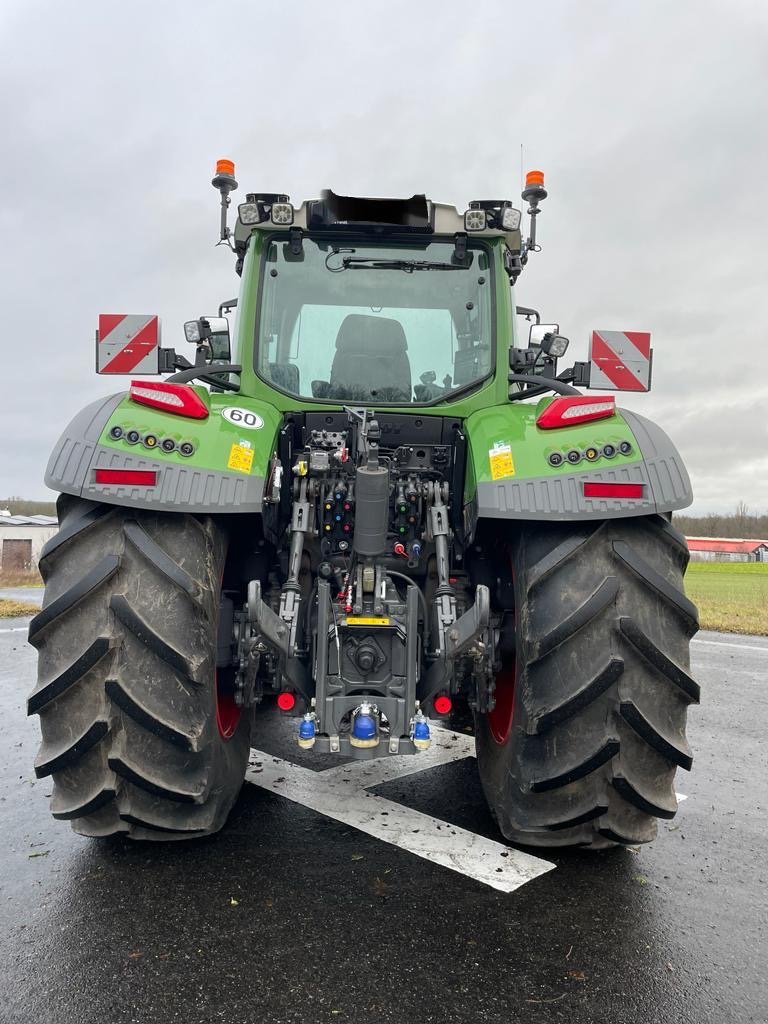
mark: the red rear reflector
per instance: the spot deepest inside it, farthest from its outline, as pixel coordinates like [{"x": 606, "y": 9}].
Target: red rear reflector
[
  {"x": 568, "y": 411},
  {"x": 137, "y": 477},
  {"x": 601, "y": 490},
  {"x": 179, "y": 399},
  {"x": 285, "y": 700},
  {"x": 442, "y": 704}
]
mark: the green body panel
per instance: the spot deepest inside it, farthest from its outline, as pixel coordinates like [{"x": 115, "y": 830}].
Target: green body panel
[
  {"x": 514, "y": 425},
  {"x": 213, "y": 437}
]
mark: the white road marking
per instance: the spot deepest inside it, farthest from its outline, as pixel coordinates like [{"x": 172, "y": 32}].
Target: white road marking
[
  {"x": 446, "y": 747},
  {"x": 342, "y": 794},
  {"x": 724, "y": 643},
  {"x": 15, "y": 629}
]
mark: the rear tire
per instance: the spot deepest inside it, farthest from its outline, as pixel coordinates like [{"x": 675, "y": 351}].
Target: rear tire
[
  {"x": 595, "y": 720},
  {"x": 127, "y": 687}
]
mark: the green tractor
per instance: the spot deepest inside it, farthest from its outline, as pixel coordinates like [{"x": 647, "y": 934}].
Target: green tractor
[{"x": 379, "y": 511}]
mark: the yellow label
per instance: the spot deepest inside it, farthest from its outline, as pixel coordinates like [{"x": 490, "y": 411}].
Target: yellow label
[
  {"x": 367, "y": 620},
  {"x": 502, "y": 465},
  {"x": 240, "y": 458}
]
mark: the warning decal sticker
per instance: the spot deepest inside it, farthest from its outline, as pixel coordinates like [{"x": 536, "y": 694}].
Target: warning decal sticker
[
  {"x": 500, "y": 457},
  {"x": 241, "y": 457}
]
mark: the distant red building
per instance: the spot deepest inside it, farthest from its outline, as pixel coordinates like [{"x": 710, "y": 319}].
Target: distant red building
[{"x": 727, "y": 549}]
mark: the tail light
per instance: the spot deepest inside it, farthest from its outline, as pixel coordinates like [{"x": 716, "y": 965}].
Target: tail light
[
  {"x": 442, "y": 704},
  {"x": 134, "y": 477},
  {"x": 179, "y": 399},
  {"x": 603, "y": 490},
  {"x": 569, "y": 411}
]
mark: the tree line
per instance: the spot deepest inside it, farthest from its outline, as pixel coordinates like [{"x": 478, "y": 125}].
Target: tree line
[
  {"x": 741, "y": 523},
  {"x": 24, "y": 507}
]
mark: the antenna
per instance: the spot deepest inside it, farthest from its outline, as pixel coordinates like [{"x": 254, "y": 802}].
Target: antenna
[{"x": 522, "y": 176}]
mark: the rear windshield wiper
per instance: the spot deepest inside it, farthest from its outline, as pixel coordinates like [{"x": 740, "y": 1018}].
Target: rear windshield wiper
[{"x": 408, "y": 266}]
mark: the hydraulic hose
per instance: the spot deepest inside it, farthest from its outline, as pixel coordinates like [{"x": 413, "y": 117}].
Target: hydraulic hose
[{"x": 422, "y": 601}]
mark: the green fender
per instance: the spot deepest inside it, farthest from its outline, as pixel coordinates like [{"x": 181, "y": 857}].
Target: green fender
[
  {"x": 510, "y": 476},
  {"x": 225, "y": 471}
]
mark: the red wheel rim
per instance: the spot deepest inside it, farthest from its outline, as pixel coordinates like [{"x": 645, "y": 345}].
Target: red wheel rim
[
  {"x": 227, "y": 711},
  {"x": 500, "y": 719}
]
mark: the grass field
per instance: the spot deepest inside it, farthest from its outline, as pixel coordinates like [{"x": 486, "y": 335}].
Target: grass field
[
  {"x": 10, "y": 609},
  {"x": 731, "y": 596}
]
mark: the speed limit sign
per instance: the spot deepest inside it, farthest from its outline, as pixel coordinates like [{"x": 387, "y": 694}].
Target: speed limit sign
[{"x": 243, "y": 417}]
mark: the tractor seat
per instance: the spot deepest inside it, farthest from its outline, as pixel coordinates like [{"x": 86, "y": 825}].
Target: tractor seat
[{"x": 371, "y": 356}]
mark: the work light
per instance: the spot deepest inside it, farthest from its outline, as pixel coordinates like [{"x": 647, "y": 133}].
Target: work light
[
  {"x": 510, "y": 218},
  {"x": 282, "y": 213},
  {"x": 554, "y": 345},
  {"x": 474, "y": 220},
  {"x": 193, "y": 331},
  {"x": 249, "y": 213}
]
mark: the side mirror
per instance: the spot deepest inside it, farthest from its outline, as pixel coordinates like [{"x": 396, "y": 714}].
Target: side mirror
[
  {"x": 538, "y": 333},
  {"x": 545, "y": 346},
  {"x": 211, "y": 334}
]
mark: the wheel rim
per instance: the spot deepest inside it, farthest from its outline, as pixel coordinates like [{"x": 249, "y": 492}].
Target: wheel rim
[
  {"x": 500, "y": 719},
  {"x": 227, "y": 711}
]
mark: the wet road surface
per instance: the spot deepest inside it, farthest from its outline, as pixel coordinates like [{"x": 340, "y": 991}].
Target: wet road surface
[{"x": 288, "y": 915}]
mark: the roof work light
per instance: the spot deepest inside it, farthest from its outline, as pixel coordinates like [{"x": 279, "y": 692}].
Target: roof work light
[{"x": 498, "y": 214}]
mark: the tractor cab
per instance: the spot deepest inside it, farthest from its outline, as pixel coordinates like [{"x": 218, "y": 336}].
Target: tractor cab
[{"x": 383, "y": 322}]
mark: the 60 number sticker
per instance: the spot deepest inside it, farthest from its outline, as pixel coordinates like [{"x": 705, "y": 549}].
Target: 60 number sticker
[{"x": 243, "y": 417}]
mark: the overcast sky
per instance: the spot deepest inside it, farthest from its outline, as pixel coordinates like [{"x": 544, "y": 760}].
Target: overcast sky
[{"x": 650, "y": 120}]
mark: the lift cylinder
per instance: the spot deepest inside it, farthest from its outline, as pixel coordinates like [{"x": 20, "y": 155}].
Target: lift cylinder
[{"x": 371, "y": 510}]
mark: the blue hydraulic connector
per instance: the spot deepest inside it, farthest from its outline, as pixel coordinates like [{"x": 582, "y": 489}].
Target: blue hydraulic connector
[
  {"x": 307, "y": 731},
  {"x": 365, "y": 727},
  {"x": 420, "y": 733}
]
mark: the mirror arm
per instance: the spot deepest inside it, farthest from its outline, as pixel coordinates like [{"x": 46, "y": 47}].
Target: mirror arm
[
  {"x": 540, "y": 386},
  {"x": 170, "y": 361},
  {"x": 195, "y": 373},
  {"x": 527, "y": 312},
  {"x": 579, "y": 374}
]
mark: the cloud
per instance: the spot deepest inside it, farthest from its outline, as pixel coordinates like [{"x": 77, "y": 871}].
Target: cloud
[{"x": 648, "y": 119}]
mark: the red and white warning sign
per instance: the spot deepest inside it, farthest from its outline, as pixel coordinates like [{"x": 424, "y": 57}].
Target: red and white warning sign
[
  {"x": 128, "y": 343},
  {"x": 621, "y": 360}
]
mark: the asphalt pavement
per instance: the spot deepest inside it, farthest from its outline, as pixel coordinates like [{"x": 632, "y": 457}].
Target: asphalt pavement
[{"x": 292, "y": 915}]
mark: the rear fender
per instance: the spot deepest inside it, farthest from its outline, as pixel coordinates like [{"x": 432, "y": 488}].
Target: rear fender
[
  {"x": 226, "y": 471},
  {"x": 510, "y": 476}
]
